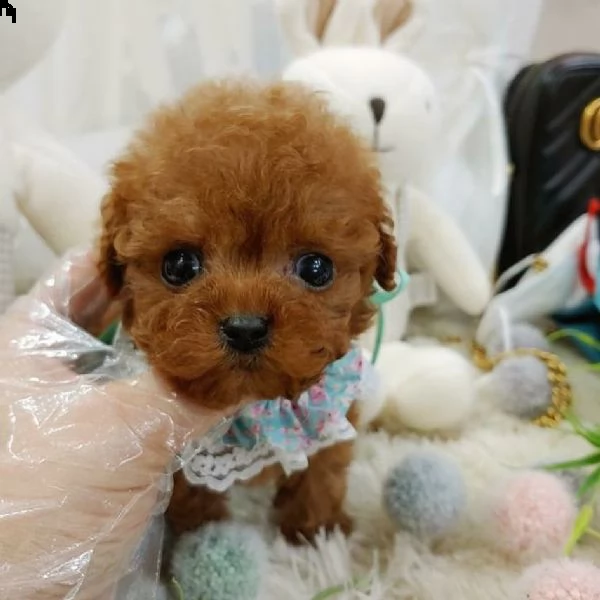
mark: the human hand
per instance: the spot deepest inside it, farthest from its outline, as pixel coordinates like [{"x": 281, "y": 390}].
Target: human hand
[{"x": 84, "y": 458}]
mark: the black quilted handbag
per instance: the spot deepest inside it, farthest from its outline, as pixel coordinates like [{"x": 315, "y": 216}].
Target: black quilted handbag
[{"x": 553, "y": 118}]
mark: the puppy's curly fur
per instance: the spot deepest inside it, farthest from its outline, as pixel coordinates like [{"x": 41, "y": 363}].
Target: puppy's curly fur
[{"x": 251, "y": 176}]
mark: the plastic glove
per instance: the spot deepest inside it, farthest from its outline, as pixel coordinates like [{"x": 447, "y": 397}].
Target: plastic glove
[{"x": 84, "y": 458}]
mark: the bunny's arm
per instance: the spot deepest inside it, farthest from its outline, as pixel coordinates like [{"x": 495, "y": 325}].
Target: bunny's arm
[
  {"x": 437, "y": 246},
  {"x": 58, "y": 194}
]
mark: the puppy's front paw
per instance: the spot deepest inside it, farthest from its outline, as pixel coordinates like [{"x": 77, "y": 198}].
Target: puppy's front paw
[
  {"x": 297, "y": 533},
  {"x": 312, "y": 500}
]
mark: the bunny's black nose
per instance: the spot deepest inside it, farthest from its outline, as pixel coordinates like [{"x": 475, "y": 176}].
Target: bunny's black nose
[{"x": 377, "y": 108}]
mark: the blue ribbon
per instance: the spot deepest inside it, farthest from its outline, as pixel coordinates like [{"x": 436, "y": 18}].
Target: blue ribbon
[{"x": 381, "y": 297}]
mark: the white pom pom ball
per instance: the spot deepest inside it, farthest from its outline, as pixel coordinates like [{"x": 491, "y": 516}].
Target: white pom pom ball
[{"x": 426, "y": 388}]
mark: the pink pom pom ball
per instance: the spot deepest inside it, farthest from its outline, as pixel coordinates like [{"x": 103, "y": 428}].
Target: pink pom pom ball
[
  {"x": 533, "y": 517},
  {"x": 560, "y": 580}
]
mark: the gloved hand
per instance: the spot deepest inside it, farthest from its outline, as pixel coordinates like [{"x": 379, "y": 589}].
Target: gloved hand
[{"x": 87, "y": 443}]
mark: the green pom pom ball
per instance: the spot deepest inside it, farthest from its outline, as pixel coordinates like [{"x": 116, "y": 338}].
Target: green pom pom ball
[{"x": 220, "y": 561}]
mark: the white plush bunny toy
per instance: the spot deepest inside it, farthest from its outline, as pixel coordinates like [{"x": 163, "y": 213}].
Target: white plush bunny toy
[
  {"x": 392, "y": 103},
  {"x": 48, "y": 198}
]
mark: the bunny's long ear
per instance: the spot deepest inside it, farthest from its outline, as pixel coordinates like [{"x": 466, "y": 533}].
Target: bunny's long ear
[
  {"x": 319, "y": 14},
  {"x": 295, "y": 20},
  {"x": 312, "y": 24},
  {"x": 391, "y": 15},
  {"x": 351, "y": 22},
  {"x": 401, "y": 22}
]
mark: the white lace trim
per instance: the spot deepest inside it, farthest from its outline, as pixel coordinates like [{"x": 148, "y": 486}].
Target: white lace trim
[{"x": 218, "y": 466}]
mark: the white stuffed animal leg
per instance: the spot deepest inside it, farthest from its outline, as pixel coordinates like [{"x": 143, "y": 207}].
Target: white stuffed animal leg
[{"x": 412, "y": 397}]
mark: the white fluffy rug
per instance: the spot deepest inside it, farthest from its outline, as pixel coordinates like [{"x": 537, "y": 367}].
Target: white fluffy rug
[
  {"x": 463, "y": 566},
  {"x": 386, "y": 564}
]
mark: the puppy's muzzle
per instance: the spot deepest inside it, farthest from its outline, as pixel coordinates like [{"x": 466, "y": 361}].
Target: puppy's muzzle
[{"x": 245, "y": 333}]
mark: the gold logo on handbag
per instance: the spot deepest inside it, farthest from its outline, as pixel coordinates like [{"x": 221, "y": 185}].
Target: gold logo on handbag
[{"x": 589, "y": 127}]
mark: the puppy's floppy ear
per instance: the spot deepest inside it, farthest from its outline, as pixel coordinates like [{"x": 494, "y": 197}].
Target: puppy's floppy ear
[
  {"x": 385, "y": 274},
  {"x": 113, "y": 213}
]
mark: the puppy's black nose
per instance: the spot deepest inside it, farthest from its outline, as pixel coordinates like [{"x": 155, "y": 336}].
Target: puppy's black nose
[
  {"x": 378, "y": 108},
  {"x": 245, "y": 333}
]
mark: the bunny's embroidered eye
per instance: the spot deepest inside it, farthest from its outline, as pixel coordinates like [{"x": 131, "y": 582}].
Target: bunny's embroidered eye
[
  {"x": 181, "y": 265},
  {"x": 315, "y": 270}
]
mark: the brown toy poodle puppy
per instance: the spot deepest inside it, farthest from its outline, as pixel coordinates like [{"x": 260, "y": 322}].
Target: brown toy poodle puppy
[{"x": 243, "y": 234}]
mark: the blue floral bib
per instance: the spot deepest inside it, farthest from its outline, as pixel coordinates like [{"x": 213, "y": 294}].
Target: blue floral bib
[{"x": 281, "y": 431}]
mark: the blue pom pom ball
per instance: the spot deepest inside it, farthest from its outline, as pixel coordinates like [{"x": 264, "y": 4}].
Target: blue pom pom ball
[
  {"x": 521, "y": 387},
  {"x": 218, "y": 561},
  {"x": 425, "y": 494}
]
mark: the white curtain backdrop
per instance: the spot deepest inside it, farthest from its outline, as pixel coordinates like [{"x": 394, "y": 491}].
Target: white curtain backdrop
[
  {"x": 472, "y": 48},
  {"x": 115, "y": 59}
]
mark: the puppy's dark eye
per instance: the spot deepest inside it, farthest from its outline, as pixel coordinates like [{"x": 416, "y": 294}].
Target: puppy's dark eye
[
  {"x": 180, "y": 266},
  {"x": 316, "y": 270}
]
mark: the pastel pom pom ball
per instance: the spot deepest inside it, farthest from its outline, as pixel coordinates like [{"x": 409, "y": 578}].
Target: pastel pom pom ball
[
  {"x": 425, "y": 494},
  {"x": 533, "y": 516},
  {"x": 518, "y": 386},
  {"x": 560, "y": 580},
  {"x": 218, "y": 561}
]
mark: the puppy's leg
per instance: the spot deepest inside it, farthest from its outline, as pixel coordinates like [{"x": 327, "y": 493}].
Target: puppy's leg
[
  {"x": 193, "y": 506},
  {"x": 313, "y": 499}
]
